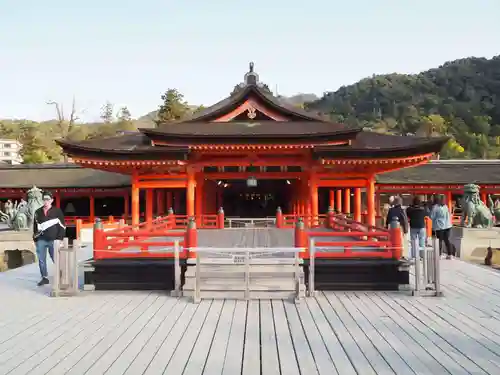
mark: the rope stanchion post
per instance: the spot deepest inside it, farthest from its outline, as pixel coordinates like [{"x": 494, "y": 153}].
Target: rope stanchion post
[
  {"x": 437, "y": 268},
  {"x": 396, "y": 236},
  {"x": 65, "y": 281},
  {"x": 177, "y": 271},
  {"x": 220, "y": 218},
  {"x": 279, "y": 218},
  {"x": 312, "y": 256},
  {"x": 416, "y": 252}
]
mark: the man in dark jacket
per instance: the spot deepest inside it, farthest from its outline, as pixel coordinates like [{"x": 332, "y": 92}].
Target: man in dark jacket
[
  {"x": 397, "y": 211},
  {"x": 48, "y": 227},
  {"x": 416, "y": 214}
]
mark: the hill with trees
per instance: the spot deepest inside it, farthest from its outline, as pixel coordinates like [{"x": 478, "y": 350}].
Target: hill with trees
[{"x": 460, "y": 99}]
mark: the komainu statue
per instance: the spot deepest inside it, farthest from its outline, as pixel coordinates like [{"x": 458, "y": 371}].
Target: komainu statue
[
  {"x": 20, "y": 215},
  {"x": 475, "y": 214}
]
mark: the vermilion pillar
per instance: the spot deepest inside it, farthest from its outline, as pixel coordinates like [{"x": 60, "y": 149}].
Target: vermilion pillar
[
  {"x": 347, "y": 201},
  {"x": 331, "y": 200},
  {"x": 149, "y": 205},
  {"x": 313, "y": 196},
  {"x": 357, "y": 204},
  {"x": 169, "y": 200},
  {"x": 126, "y": 204},
  {"x": 370, "y": 201},
  {"x": 92, "y": 208},
  {"x": 339, "y": 200},
  {"x": 484, "y": 197},
  {"x": 135, "y": 204},
  {"x": 449, "y": 200},
  {"x": 199, "y": 199},
  {"x": 190, "y": 194}
]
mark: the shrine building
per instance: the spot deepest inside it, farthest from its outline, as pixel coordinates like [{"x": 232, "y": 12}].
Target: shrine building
[{"x": 250, "y": 154}]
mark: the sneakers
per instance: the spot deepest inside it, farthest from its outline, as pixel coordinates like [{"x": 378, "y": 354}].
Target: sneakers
[{"x": 44, "y": 281}]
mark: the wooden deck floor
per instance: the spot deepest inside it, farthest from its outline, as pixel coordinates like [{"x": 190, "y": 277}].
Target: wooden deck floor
[{"x": 336, "y": 333}]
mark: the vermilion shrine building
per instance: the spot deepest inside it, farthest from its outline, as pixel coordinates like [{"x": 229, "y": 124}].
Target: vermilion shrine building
[{"x": 250, "y": 148}]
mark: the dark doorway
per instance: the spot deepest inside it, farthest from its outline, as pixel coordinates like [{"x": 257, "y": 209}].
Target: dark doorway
[{"x": 241, "y": 200}]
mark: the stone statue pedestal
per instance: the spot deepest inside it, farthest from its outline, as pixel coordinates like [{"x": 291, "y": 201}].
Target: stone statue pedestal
[
  {"x": 12, "y": 242},
  {"x": 472, "y": 243}
]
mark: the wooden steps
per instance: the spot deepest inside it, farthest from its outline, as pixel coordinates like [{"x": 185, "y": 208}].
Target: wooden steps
[{"x": 265, "y": 281}]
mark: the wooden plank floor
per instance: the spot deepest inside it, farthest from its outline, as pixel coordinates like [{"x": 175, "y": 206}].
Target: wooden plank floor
[{"x": 335, "y": 333}]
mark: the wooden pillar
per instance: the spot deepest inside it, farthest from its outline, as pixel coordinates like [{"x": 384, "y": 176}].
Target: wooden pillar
[
  {"x": 92, "y": 209},
  {"x": 339, "y": 200},
  {"x": 347, "y": 201},
  {"x": 449, "y": 200},
  {"x": 357, "y": 204},
  {"x": 190, "y": 194},
  {"x": 484, "y": 198},
  {"x": 160, "y": 204},
  {"x": 126, "y": 205},
  {"x": 149, "y": 205},
  {"x": 57, "y": 199},
  {"x": 135, "y": 204},
  {"x": 199, "y": 199},
  {"x": 370, "y": 201},
  {"x": 332, "y": 199},
  {"x": 169, "y": 200},
  {"x": 313, "y": 198}
]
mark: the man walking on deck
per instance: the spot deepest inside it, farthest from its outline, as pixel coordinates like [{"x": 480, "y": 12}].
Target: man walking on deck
[
  {"x": 397, "y": 211},
  {"x": 48, "y": 230}
]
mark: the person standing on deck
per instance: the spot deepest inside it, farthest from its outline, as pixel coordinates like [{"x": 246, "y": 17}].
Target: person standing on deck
[
  {"x": 397, "y": 211},
  {"x": 441, "y": 224},
  {"x": 416, "y": 214},
  {"x": 48, "y": 230}
]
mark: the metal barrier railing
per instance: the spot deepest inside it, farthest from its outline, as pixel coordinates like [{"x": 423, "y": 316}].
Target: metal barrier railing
[
  {"x": 428, "y": 274},
  {"x": 242, "y": 222},
  {"x": 247, "y": 257},
  {"x": 66, "y": 269}
]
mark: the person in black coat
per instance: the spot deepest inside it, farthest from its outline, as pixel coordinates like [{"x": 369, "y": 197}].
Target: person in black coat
[
  {"x": 48, "y": 227},
  {"x": 397, "y": 211},
  {"x": 416, "y": 214}
]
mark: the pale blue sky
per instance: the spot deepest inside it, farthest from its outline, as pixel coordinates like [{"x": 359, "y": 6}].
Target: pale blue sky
[{"x": 129, "y": 52}]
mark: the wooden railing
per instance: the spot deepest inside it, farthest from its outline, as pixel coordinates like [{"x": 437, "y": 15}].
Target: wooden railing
[{"x": 363, "y": 241}]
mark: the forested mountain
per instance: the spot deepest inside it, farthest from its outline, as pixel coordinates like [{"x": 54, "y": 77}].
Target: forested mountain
[{"x": 460, "y": 98}]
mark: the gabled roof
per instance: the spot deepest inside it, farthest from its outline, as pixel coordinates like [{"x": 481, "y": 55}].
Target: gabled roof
[{"x": 254, "y": 91}]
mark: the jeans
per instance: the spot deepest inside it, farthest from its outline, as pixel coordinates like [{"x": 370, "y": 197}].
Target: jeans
[
  {"x": 41, "y": 252},
  {"x": 417, "y": 235}
]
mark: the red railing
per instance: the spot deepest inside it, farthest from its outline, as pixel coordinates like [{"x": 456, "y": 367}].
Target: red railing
[
  {"x": 310, "y": 221},
  {"x": 364, "y": 241}
]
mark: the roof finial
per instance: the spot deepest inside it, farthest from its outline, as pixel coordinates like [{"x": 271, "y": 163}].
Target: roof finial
[{"x": 251, "y": 66}]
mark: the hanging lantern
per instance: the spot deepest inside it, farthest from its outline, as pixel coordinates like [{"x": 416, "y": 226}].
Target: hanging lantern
[{"x": 252, "y": 182}]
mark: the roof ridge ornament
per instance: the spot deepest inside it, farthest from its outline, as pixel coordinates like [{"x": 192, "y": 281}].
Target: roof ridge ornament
[{"x": 251, "y": 78}]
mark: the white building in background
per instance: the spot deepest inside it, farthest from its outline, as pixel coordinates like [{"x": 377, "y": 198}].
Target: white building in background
[{"x": 10, "y": 151}]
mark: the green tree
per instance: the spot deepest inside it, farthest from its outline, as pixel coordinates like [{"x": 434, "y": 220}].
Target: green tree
[{"x": 173, "y": 107}]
